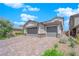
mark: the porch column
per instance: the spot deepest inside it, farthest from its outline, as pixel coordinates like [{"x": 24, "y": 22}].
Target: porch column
[
  {"x": 69, "y": 33},
  {"x": 25, "y": 31},
  {"x": 41, "y": 29},
  {"x": 58, "y": 31}
]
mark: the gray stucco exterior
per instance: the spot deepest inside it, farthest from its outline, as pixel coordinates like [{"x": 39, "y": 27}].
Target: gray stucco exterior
[{"x": 74, "y": 25}]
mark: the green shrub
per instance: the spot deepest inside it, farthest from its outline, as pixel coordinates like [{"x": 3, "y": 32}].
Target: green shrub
[
  {"x": 55, "y": 46},
  {"x": 2, "y": 37},
  {"x": 62, "y": 41},
  {"x": 5, "y": 28},
  {"x": 53, "y": 52},
  {"x": 77, "y": 39},
  {"x": 72, "y": 54},
  {"x": 72, "y": 42},
  {"x": 19, "y": 33}
]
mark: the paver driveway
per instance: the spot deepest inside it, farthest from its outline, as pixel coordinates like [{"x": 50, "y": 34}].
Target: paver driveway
[{"x": 26, "y": 45}]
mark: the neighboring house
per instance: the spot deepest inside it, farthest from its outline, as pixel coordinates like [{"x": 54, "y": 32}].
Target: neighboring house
[
  {"x": 17, "y": 30},
  {"x": 53, "y": 27},
  {"x": 74, "y": 25}
]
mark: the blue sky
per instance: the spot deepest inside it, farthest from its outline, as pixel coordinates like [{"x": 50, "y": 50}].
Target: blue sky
[{"x": 19, "y": 13}]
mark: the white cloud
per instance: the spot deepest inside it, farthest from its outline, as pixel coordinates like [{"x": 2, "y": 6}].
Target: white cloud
[
  {"x": 66, "y": 11},
  {"x": 14, "y": 5},
  {"x": 26, "y": 17},
  {"x": 19, "y": 23},
  {"x": 66, "y": 25},
  {"x": 30, "y": 8},
  {"x": 66, "y": 22},
  {"x": 33, "y": 9},
  {"x": 24, "y": 10},
  {"x": 21, "y": 5}
]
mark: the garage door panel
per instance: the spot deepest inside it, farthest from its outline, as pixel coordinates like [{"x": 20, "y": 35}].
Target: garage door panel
[
  {"x": 52, "y": 31},
  {"x": 33, "y": 30}
]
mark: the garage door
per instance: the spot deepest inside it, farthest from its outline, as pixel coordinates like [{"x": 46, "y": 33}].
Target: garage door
[
  {"x": 32, "y": 30},
  {"x": 52, "y": 31}
]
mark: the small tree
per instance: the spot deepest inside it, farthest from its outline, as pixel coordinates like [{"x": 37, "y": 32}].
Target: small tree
[{"x": 5, "y": 27}]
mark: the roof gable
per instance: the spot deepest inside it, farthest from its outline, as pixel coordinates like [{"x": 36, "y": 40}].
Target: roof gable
[
  {"x": 55, "y": 20},
  {"x": 31, "y": 23}
]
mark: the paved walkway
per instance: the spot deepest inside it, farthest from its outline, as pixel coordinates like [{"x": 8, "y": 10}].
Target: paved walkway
[{"x": 25, "y": 45}]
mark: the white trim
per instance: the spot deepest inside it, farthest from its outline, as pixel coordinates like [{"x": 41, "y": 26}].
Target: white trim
[
  {"x": 50, "y": 25},
  {"x": 56, "y": 19},
  {"x": 59, "y": 29}
]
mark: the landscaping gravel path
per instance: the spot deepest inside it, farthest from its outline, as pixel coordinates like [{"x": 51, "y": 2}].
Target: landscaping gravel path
[{"x": 26, "y": 45}]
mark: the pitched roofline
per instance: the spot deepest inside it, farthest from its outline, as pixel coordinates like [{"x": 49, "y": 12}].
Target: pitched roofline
[
  {"x": 74, "y": 15},
  {"x": 44, "y": 21},
  {"x": 53, "y": 19},
  {"x": 29, "y": 21}
]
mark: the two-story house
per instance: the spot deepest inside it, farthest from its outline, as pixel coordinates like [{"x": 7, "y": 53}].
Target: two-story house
[{"x": 74, "y": 25}]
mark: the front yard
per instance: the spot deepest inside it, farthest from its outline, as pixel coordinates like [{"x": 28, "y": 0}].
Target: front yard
[{"x": 33, "y": 45}]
